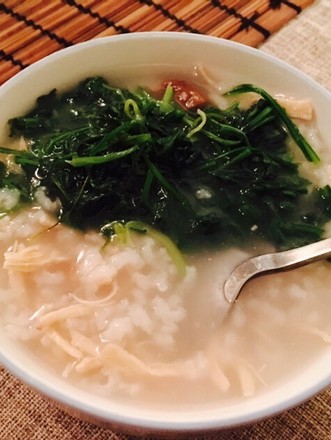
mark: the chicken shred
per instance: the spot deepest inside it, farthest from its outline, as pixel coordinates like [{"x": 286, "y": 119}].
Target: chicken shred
[{"x": 72, "y": 311}]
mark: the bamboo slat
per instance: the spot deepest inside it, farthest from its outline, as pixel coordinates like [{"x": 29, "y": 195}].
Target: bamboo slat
[{"x": 32, "y": 29}]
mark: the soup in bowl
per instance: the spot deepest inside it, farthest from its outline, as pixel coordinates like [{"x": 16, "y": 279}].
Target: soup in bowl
[{"x": 137, "y": 172}]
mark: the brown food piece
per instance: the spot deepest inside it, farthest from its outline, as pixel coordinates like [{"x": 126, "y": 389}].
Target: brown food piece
[{"x": 185, "y": 95}]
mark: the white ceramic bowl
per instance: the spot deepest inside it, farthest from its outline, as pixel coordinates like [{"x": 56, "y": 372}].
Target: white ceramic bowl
[{"x": 178, "y": 53}]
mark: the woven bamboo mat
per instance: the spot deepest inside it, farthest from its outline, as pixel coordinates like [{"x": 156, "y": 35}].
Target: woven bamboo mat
[{"x": 32, "y": 29}]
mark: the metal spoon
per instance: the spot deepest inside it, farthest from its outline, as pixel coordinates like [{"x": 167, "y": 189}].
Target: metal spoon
[{"x": 277, "y": 261}]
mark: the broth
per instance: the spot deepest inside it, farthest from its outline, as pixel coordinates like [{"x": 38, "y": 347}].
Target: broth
[{"x": 120, "y": 321}]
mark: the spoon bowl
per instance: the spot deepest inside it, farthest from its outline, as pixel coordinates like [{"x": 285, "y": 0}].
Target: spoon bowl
[{"x": 277, "y": 261}]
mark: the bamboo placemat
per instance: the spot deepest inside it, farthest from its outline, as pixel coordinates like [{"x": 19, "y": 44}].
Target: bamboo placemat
[{"x": 32, "y": 29}]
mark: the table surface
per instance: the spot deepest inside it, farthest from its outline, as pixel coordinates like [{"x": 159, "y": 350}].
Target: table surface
[{"x": 304, "y": 42}]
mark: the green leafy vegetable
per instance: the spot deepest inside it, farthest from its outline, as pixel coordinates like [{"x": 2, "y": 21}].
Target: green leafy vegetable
[
  {"x": 206, "y": 177},
  {"x": 305, "y": 147}
]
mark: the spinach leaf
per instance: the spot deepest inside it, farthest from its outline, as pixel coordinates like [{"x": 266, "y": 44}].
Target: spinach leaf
[{"x": 209, "y": 177}]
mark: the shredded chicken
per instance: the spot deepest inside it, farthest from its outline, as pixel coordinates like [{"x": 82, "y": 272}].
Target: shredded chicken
[
  {"x": 118, "y": 357},
  {"x": 29, "y": 258},
  {"x": 64, "y": 344},
  {"x": 229, "y": 369},
  {"x": 84, "y": 343},
  {"x": 88, "y": 364},
  {"x": 72, "y": 311},
  {"x": 296, "y": 108},
  {"x": 220, "y": 378},
  {"x": 202, "y": 74},
  {"x": 101, "y": 301},
  {"x": 246, "y": 379}
]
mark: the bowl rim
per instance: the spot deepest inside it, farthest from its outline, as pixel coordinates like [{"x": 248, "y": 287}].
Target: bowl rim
[
  {"x": 128, "y": 420},
  {"x": 87, "y": 411},
  {"x": 163, "y": 35}
]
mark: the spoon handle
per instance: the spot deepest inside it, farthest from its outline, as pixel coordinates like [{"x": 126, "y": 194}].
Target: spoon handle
[{"x": 284, "y": 260}]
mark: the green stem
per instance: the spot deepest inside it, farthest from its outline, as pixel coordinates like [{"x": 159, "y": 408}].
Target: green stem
[
  {"x": 302, "y": 143},
  {"x": 165, "y": 183},
  {"x": 97, "y": 160}
]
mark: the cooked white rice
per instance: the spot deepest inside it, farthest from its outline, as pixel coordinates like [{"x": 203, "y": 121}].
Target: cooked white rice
[{"x": 121, "y": 321}]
